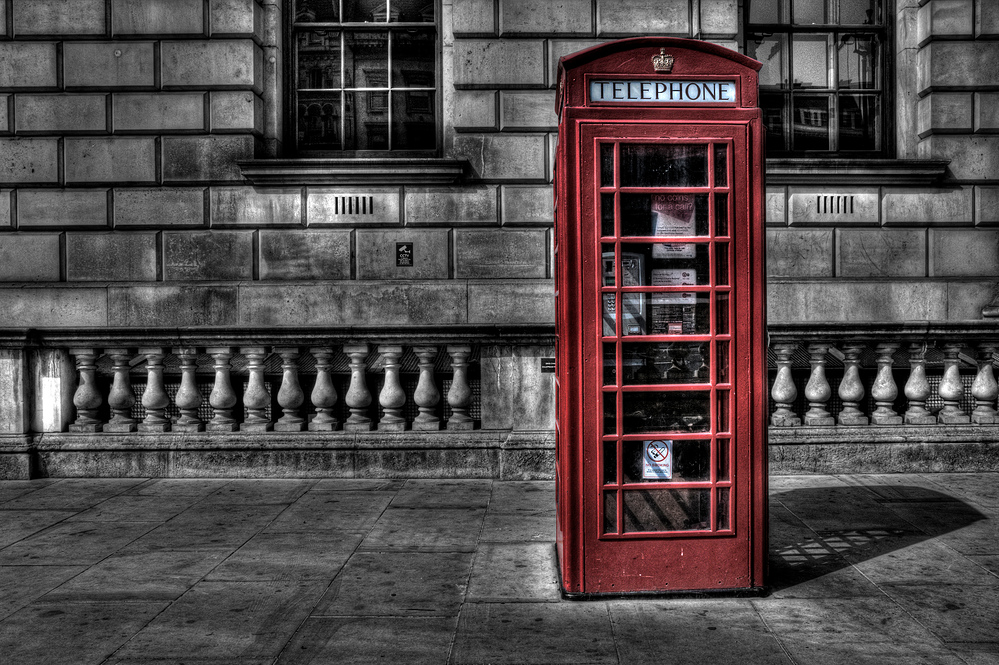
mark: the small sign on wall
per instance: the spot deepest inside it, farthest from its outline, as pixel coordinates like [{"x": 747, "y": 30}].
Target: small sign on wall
[
  {"x": 403, "y": 255},
  {"x": 657, "y": 462}
]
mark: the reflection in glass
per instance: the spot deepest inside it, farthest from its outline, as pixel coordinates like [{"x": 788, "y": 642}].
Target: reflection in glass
[
  {"x": 607, "y": 262},
  {"x": 663, "y": 165},
  {"x": 691, "y": 462},
  {"x": 859, "y": 122},
  {"x": 667, "y": 510},
  {"x": 317, "y": 11},
  {"x": 858, "y": 65},
  {"x": 610, "y": 413},
  {"x": 366, "y": 59},
  {"x": 811, "y": 122},
  {"x": 724, "y": 522},
  {"x": 609, "y": 309},
  {"x": 607, "y": 166},
  {"x": 610, "y": 364},
  {"x": 721, "y": 362},
  {"x": 318, "y": 55},
  {"x": 721, "y": 314},
  {"x": 664, "y": 215},
  {"x": 809, "y": 57},
  {"x": 774, "y": 107},
  {"x": 810, "y": 12},
  {"x": 721, "y": 264},
  {"x": 366, "y": 126},
  {"x": 319, "y": 120},
  {"x": 610, "y": 462},
  {"x": 721, "y": 215},
  {"x": 859, "y": 12},
  {"x": 770, "y": 50},
  {"x": 660, "y": 363},
  {"x": 721, "y": 164},
  {"x": 413, "y": 124},
  {"x": 606, "y": 214},
  {"x": 413, "y": 58},
  {"x": 610, "y": 512},
  {"x": 687, "y": 411},
  {"x": 722, "y": 406},
  {"x": 723, "y": 459},
  {"x": 765, "y": 11}
]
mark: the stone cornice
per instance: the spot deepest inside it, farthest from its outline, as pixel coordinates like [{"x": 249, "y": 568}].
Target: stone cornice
[
  {"x": 834, "y": 171},
  {"x": 354, "y": 171}
]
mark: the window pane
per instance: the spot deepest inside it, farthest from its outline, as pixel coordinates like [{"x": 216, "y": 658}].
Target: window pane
[
  {"x": 659, "y": 363},
  {"x": 724, "y": 523},
  {"x": 607, "y": 166},
  {"x": 366, "y": 59},
  {"x": 667, "y": 510},
  {"x": 690, "y": 463},
  {"x": 857, "y": 56},
  {"x": 607, "y": 214},
  {"x": 610, "y": 462},
  {"x": 319, "y": 121},
  {"x": 721, "y": 165},
  {"x": 414, "y": 54},
  {"x": 774, "y": 112},
  {"x": 318, "y": 11},
  {"x": 610, "y": 364},
  {"x": 610, "y": 512},
  {"x": 811, "y": 122},
  {"x": 810, "y": 12},
  {"x": 413, "y": 126},
  {"x": 664, "y": 215},
  {"x": 413, "y": 11},
  {"x": 771, "y": 50},
  {"x": 810, "y": 62},
  {"x": 367, "y": 121},
  {"x": 865, "y": 12},
  {"x": 610, "y": 413},
  {"x": 765, "y": 11},
  {"x": 859, "y": 122},
  {"x": 723, "y": 465},
  {"x": 721, "y": 366},
  {"x": 365, "y": 11},
  {"x": 318, "y": 59},
  {"x": 687, "y": 411},
  {"x": 664, "y": 264},
  {"x": 721, "y": 215},
  {"x": 651, "y": 165}
]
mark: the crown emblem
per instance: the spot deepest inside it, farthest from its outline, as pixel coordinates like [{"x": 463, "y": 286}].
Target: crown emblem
[{"x": 662, "y": 62}]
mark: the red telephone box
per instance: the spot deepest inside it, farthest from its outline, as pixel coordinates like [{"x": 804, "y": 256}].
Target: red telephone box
[{"x": 661, "y": 481}]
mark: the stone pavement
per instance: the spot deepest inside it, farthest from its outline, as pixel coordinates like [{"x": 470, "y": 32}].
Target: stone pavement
[{"x": 865, "y": 569}]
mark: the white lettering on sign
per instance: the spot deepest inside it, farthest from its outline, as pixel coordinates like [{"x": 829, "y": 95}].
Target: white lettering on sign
[{"x": 685, "y": 92}]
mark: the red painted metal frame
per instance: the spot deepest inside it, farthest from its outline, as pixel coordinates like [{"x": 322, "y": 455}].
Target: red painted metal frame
[{"x": 589, "y": 560}]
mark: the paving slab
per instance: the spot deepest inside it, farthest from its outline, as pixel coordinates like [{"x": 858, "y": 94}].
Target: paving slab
[
  {"x": 366, "y": 640},
  {"x": 21, "y": 585},
  {"x": 349, "y": 510},
  {"x": 952, "y": 612},
  {"x": 518, "y": 527},
  {"x": 167, "y": 487},
  {"x": 137, "y": 508},
  {"x": 357, "y": 484},
  {"x": 290, "y": 556},
  {"x": 979, "y": 488},
  {"x": 426, "y": 530},
  {"x": 519, "y": 496},
  {"x": 74, "y": 543},
  {"x": 909, "y": 559},
  {"x": 956, "y": 524},
  {"x": 989, "y": 562},
  {"x": 217, "y": 528},
  {"x": 900, "y": 486},
  {"x": 855, "y": 651},
  {"x": 260, "y": 492},
  {"x": 398, "y": 584},
  {"x": 16, "y": 525},
  {"x": 12, "y": 489},
  {"x": 443, "y": 494},
  {"x": 840, "y": 508},
  {"x": 73, "y": 493},
  {"x": 523, "y": 572}
]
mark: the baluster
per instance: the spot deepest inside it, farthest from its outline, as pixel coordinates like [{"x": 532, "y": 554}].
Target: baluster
[
  {"x": 222, "y": 398},
  {"x": 358, "y": 397},
  {"x": 917, "y": 388},
  {"x": 884, "y": 391},
  {"x": 985, "y": 389},
  {"x": 392, "y": 397},
  {"x": 851, "y": 390},
  {"x": 427, "y": 396},
  {"x": 459, "y": 396},
  {"x": 155, "y": 398},
  {"x": 323, "y": 393},
  {"x": 290, "y": 395},
  {"x": 951, "y": 389},
  {"x": 188, "y": 397},
  {"x": 784, "y": 391},
  {"x": 121, "y": 399},
  {"x": 817, "y": 390},
  {"x": 87, "y": 399},
  {"x": 256, "y": 398}
]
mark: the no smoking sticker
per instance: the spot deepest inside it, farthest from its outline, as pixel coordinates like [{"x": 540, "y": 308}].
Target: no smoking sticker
[{"x": 657, "y": 460}]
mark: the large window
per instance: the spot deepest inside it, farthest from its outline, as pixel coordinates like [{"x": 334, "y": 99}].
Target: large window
[
  {"x": 822, "y": 86},
  {"x": 365, "y": 75}
]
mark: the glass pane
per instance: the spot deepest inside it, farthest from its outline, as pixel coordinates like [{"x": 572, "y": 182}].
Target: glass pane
[
  {"x": 412, "y": 11},
  {"x": 859, "y": 122},
  {"x": 811, "y": 122},
  {"x": 366, "y": 59},
  {"x": 810, "y": 12},
  {"x": 765, "y": 11},
  {"x": 771, "y": 50},
  {"x": 610, "y": 512},
  {"x": 318, "y": 59},
  {"x": 317, "y": 11},
  {"x": 610, "y": 413},
  {"x": 366, "y": 121},
  {"x": 364, "y": 11},
  {"x": 809, "y": 57},
  {"x": 858, "y": 61},
  {"x": 687, "y": 411},
  {"x": 664, "y": 165},
  {"x": 668, "y": 318},
  {"x": 667, "y": 510},
  {"x": 664, "y": 215},
  {"x": 722, "y": 405},
  {"x": 657, "y": 363},
  {"x": 414, "y": 58},
  {"x": 721, "y": 363},
  {"x": 607, "y": 261},
  {"x": 664, "y": 264},
  {"x": 659, "y": 461},
  {"x": 859, "y": 12},
  {"x": 774, "y": 109},
  {"x": 721, "y": 215},
  {"x": 724, "y": 523},
  {"x": 610, "y": 462},
  {"x": 721, "y": 165},
  {"x": 606, "y": 214},
  {"x": 721, "y": 314},
  {"x": 721, "y": 264},
  {"x": 610, "y": 301},
  {"x": 723, "y": 459},
  {"x": 610, "y": 364},
  {"x": 319, "y": 121},
  {"x": 607, "y": 165},
  {"x": 413, "y": 124}
]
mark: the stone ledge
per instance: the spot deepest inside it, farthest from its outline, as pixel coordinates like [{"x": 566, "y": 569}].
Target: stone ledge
[
  {"x": 823, "y": 171},
  {"x": 353, "y": 171},
  {"x": 907, "y": 457},
  {"x": 841, "y": 435}
]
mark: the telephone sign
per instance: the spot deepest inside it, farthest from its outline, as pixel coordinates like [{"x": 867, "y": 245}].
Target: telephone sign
[{"x": 660, "y": 365}]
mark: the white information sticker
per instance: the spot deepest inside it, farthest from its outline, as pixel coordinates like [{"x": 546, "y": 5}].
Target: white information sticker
[
  {"x": 657, "y": 462},
  {"x": 674, "y": 250}
]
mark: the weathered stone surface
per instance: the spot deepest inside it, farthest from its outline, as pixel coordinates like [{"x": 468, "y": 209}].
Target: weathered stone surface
[
  {"x": 964, "y": 252},
  {"x": 833, "y": 206},
  {"x": 528, "y": 464},
  {"x": 945, "y": 112},
  {"x": 881, "y": 253},
  {"x": 515, "y": 393},
  {"x": 855, "y": 301},
  {"x": 528, "y": 110},
  {"x": 719, "y": 18},
  {"x": 944, "y": 206},
  {"x": 505, "y": 156},
  {"x": 62, "y": 207},
  {"x": 29, "y": 160},
  {"x": 966, "y": 298},
  {"x": 945, "y": 18},
  {"x": 527, "y": 205},
  {"x": 511, "y": 302},
  {"x": 27, "y": 65},
  {"x": 109, "y": 64},
  {"x": 776, "y": 206},
  {"x": 435, "y": 206},
  {"x": 111, "y": 159},
  {"x": 5, "y": 114},
  {"x": 236, "y": 111},
  {"x": 377, "y": 253},
  {"x": 54, "y": 382},
  {"x": 157, "y": 17},
  {"x": 799, "y": 252},
  {"x": 5, "y": 216},
  {"x": 111, "y": 257},
  {"x": 55, "y": 307},
  {"x": 252, "y": 206},
  {"x": 300, "y": 255},
  {"x": 235, "y": 18},
  {"x": 30, "y": 257},
  {"x": 475, "y": 109},
  {"x": 225, "y": 63},
  {"x": 545, "y": 17},
  {"x": 207, "y": 255},
  {"x": 619, "y": 19},
  {"x": 480, "y": 64},
  {"x": 59, "y": 17},
  {"x": 974, "y": 157},
  {"x": 353, "y": 206},
  {"x": 502, "y": 254},
  {"x": 956, "y": 65},
  {"x": 171, "y": 306},
  {"x": 159, "y": 207},
  {"x": 159, "y": 111},
  {"x": 986, "y": 205},
  {"x": 560, "y": 47},
  {"x": 986, "y": 19},
  {"x": 60, "y": 113},
  {"x": 474, "y": 18},
  {"x": 986, "y": 112},
  {"x": 187, "y": 159}
]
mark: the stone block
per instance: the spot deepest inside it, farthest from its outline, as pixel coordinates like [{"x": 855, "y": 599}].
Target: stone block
[
  {"x": 974, "y": 157},
  {"x": 964, "y": 252},
  {"x": 381, "y": 254},
  {"x": 353, "y": 206},
  {"x": 29, "y": 257},
  {"x": 378, "y": 304},
  {"x": 799, "y": 252},
  {"x": 109, "y": 65},
  {"x": 853, "y": 301},
  {"x": 236, "y": 111},
  {"x": 656, "y": 17},
  {"x": 495, "y": 64},
  {"x": 945, "y": 113},
  {"x": 511, "y": 302},
  {"x": 967, "y": 298},
  {"x": 207, "y": 255},
  {"x": 719, "y": 18},
  {"x": 112, "y": 159},
  {"x": 945, "y": 206},
  {"x": 956, "y": 65},
  {"x": 832, "y": 206},
  {"x": 5, "y": 102},
  {"x": 305, "y": 255},
  {"x": 474, "y": 110},
  {"x": 986, "y": 19},
  {"x": 474, "y": 18},
  {"x": 158, "y": 112},
  {"x": 516, "y": 395},
  {"x": 527, "y": 205},
  {"x": 776, "y": 206},
  {"x": 500, "y": 254},
  {"x": 14, "y": 395},
  {"x": 200, "y": 158},
  {"x": 58, "y": 17},
  {"x": 545, "y": 17},
  {"x": 528, "y": 110},
  {"x": 49, "y": 307},
  {"x": 111, "y": 257},
  {"x": 987, "y": 112},
  {"x": 167, "y": 306},
  {"x": 60, "y": 113},
  {"x": 562, "y": 47},
  {"x": 5, "y": 215},
  {"x": 252, "y": 206},
  {"x": 505, "y": 156},
  {"x": 157, "y": 17},
  {"x": 235, "y": 18},
  {"x": 986, "y": 206},
  {"x": 29, "y": 160},
  {"x": 159, "y": 207},
  {"x": 224, "y": 63},
  {"x": 28, "y": 65},
  {"x": 72, "y": 208},
  {"x": 945, "y": 18},
  {"x": 881, "y": 253},
  {"x": 444, "y": 206}
]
